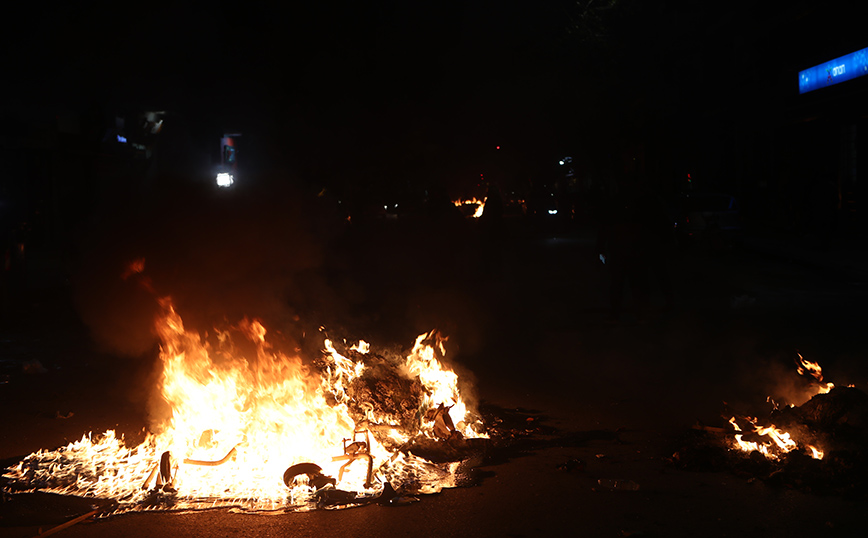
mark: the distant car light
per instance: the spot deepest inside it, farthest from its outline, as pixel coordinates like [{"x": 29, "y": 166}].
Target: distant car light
[
  {"x": 553, "y": 211},
  {"x": 225, "y": 179}
]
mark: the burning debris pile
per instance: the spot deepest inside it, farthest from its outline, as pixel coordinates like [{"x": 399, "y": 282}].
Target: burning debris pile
[
  {"x": 251, "y": 428},
  {"x": 472, "y": 206},
  {"x": 820, "y": 445}
]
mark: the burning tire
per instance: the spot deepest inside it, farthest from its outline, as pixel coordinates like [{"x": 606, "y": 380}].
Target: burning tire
[{"x": 314, "y": 474}]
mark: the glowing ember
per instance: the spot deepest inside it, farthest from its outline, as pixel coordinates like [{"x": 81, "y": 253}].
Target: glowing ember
[
  {"x": 239, "y": 423},
  {"x": 480, "y": 205}
]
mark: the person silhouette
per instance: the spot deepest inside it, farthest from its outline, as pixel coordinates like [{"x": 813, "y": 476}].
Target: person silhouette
[{"x": 623, "y": 245}]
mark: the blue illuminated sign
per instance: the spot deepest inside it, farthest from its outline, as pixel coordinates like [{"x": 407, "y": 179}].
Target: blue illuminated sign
[{"x": 841, "y": 69}]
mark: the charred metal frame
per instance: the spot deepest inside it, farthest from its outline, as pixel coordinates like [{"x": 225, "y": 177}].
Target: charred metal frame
[{"x": 357, "y": 449}]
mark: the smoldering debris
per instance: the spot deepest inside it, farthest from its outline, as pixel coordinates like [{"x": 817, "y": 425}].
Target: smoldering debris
[{"x": 836, "y": 423}]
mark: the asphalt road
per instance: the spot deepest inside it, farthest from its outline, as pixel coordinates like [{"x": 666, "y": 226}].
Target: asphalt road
[{"x": 532, "y": 329}]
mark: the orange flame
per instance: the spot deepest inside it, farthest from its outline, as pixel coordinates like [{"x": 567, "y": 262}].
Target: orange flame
[
  {"x": 480, "y": 205},
  {"x": 236, "y": 423},
  {"x": 779, "y": 441},
  {"x": 776, "y": 441},
  {"x": 813, "y": 368}
]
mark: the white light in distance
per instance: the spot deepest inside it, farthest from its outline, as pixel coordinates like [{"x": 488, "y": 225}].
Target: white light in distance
[{"x": 225, "y": 179}]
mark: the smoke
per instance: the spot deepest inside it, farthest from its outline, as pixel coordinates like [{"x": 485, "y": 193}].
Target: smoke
[
  {"x": 777, "y": 378},
  {"x": 277, "y": 254},
  {"x": 221, "y": 256}
]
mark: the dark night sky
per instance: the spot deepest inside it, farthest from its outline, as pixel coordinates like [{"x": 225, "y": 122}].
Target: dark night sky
[
  {"x": 319, "y": 58},
  {"x": 375, "y": 94},
  {"x": 392, "y": 85}
]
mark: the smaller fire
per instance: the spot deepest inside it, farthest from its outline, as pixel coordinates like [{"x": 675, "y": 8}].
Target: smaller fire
[
  {"x": 816, "y": 372},
  {"x": 772, "y": 441},
  {"x": 816, "y": 445},
  {"x": 480, "y": 205}
]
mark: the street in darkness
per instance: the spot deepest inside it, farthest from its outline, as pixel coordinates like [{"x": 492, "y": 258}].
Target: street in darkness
[
  {"x": 634, "y": 245},
  {"x": 616, "y": 396}
]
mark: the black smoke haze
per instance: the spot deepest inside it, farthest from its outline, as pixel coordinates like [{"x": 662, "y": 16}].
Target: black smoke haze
[
  {"x": 284, "y": 255},
  {"x": 220, "y": 256}
]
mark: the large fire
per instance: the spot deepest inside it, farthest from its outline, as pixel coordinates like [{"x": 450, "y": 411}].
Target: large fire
[{"x": 249, "y": 426}]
